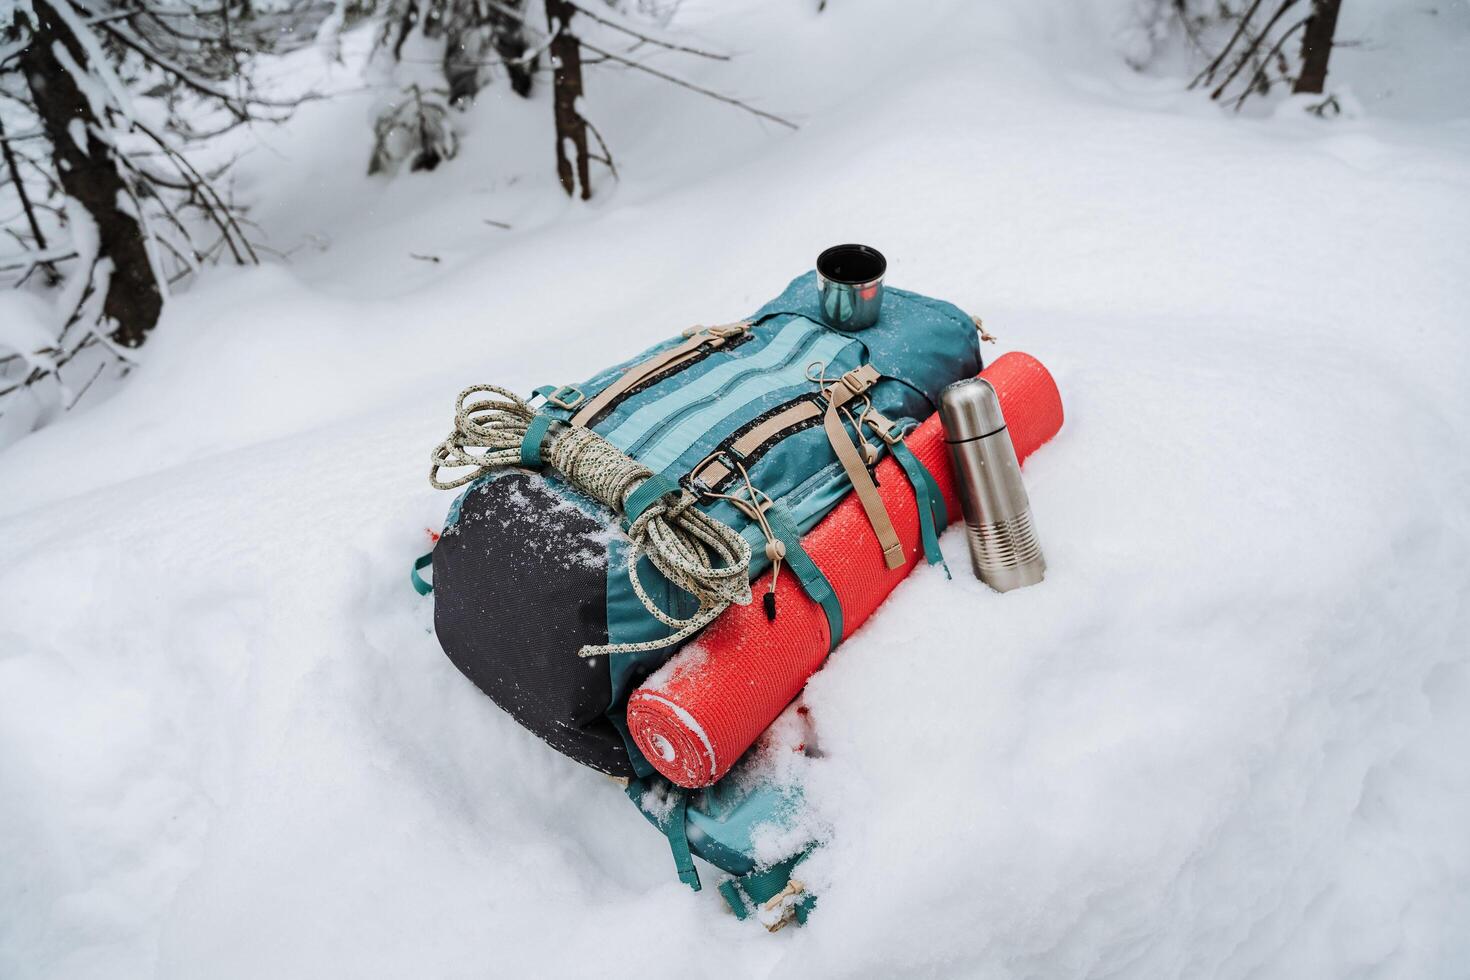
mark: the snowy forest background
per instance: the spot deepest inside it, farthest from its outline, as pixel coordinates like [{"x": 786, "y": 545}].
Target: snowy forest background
[
  {"x": 250, "y": 250},
  {"x": 123, "y": 119}
]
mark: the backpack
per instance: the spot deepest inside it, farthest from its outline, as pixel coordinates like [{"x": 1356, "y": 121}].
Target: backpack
[{"x": 605, "y": 523}]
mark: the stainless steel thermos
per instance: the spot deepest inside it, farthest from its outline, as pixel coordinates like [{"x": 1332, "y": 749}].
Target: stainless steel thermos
[{"x": 1003, "y": 547}]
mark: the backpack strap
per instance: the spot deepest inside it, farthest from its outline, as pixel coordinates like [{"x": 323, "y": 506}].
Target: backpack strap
[
  {"x": 838, "y": 394},
  {"x": 694, "y": 344},
  {"x": 649, "y": 491},
  {"x": 929, "y": 498},
  {"x": 716, "y": 468},
  {"x": 813, "y": 582},
  {"x": 849, "y": 386},
  {"x": 674, "y": 826},
  {"x": 531, "y": 442},
  {"x": 420, "y": 585},
  {"x": 933, "y": 515}
]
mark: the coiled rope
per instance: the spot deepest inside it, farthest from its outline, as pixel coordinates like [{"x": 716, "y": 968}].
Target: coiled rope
[{"x": 701, "y": 556}]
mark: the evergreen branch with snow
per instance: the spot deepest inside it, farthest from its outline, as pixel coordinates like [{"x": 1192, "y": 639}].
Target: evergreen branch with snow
[{"x": 103, "y": 96}]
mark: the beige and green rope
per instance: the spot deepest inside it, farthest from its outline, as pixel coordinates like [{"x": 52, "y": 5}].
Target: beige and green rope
[{"x": 701, "y": 556}]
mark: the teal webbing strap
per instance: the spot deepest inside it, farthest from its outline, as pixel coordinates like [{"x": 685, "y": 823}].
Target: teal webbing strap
[
  {"x": 548, "y": 407},
  {"x": 650, "y": 490},
  {"x": 531, "y": 442},
  {"x": 420, "y": 585},
  {"x": 730, "y": 892},
  {"x": 678, "y": 834},
  {"x": 745, "y": 894},
  {"x": 930, "y": 501},
  {"x": 813, "y": 582},
  {"x": 675, "y": 829}
]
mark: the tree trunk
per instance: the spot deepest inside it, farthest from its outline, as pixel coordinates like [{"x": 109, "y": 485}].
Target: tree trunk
[
  {"x": 89, "y": 175},
  {"x": 1317, "y": 47},
  {"x": 566, "y": 87}
]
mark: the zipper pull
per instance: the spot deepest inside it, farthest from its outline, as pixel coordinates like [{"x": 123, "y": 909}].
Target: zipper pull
[{"x": 775, "y": 551}]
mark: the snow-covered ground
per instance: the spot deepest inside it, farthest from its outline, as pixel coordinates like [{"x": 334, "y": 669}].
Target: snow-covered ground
[{"x": 1230, "y": 735}]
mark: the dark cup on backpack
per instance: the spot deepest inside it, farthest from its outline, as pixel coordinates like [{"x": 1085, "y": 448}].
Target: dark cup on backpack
[{"x": 850, "y": 285}]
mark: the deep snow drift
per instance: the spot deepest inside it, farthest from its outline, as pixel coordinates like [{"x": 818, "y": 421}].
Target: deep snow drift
[{"x": 1226, "y": 737}]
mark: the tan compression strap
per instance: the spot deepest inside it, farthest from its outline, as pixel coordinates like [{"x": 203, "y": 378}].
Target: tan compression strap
[
  {"x": 642, "y": 371},
  {"x": 857, "y": 471},
  {"x": 715, "y": 472},
  {"x": 839, "y": 393}
]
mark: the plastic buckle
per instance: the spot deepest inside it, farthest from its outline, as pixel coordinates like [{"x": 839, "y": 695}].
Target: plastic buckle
[
  {"x": 882, "y": 426},
  {"x": 558, "y": 399},
  {"x": 778, "y": 910},
  {"x": 691, "y": 480},
  {"x": 830, "y": 391},
  {"x": 721, "y": 333},
  {"x": 855, "y": 381}
]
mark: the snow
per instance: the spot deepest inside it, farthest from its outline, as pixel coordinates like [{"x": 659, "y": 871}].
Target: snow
[
  {"x": 1225, "y": 737},
  {"x": 23, "y": 329},
  {"x": 692, "y": 656},
  {"x": 25, "y": 332},
  {"x": 86, "y": 242}
]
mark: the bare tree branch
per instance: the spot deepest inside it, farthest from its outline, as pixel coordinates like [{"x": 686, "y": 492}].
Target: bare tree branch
[
  {"x": 19, "y": 184},
  {"x": 1209, "y": 73},
  {"x": 241, "y": 107},
  {"x": 709, "y": 93},
  {"x": 606, "y": 157},
  {"x": 1260, "y": 75},
  {"x": 36, "y": 258},
  {"x": 1246, "y": 55},
  {"x": 670, "y": 45}
]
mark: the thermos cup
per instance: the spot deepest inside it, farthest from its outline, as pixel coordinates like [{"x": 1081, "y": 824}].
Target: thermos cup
[
  {"x": 1004, "y": 551},
  {"x": 850, "y": 285}
]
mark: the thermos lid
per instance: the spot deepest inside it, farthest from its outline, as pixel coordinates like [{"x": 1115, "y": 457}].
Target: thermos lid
[{"x": 970, "y": 409}]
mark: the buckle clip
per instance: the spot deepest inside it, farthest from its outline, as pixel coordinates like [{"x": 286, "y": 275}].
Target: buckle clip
[
  {"x": 856, "y": 381},
  {"x": 691, "y": 481},
  {"x": 566, "y": 397},
  {"x": 722, "y": 333},
  {"x": 730, "y": 329},
  {"x": 780, "y": 908},
  {"x": 882, "y": 426}
]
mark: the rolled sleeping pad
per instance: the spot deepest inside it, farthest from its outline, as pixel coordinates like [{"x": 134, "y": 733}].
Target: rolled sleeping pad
[{"x": 695, "y": 717}]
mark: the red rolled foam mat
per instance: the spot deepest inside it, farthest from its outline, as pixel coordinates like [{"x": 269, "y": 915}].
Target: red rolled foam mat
[{"x": 694, "y": 718}]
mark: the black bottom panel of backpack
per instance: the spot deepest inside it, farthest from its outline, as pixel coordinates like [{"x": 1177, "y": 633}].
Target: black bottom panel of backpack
[{"x": 520, "y": 584}]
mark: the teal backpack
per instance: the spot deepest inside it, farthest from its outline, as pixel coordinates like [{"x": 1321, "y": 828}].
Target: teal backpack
[{"x": 603, "y": 524}]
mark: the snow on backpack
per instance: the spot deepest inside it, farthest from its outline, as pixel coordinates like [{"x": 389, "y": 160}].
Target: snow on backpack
[{"x": 604, "y": 524}]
